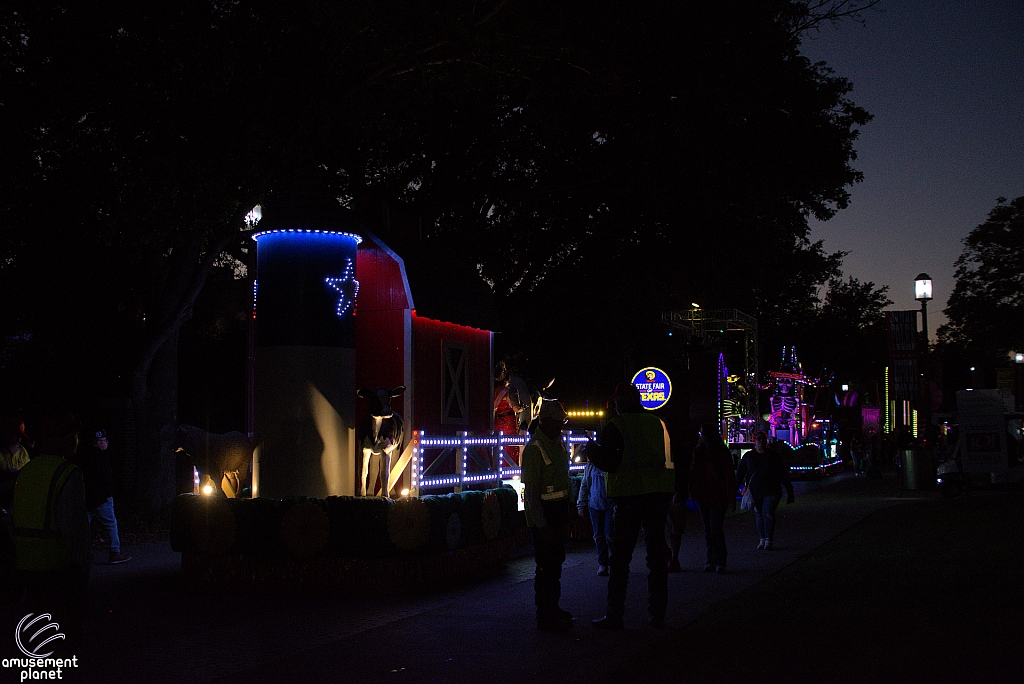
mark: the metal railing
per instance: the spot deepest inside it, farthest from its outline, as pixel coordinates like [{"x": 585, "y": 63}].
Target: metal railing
[{"x": 455, "y": 461}]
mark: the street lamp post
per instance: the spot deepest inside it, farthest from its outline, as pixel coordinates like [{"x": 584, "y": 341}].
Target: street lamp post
[{"x": 923, "y": 293}]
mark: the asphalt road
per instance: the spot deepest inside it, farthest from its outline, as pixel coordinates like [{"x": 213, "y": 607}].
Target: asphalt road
[{"x": 144, "y": 626}]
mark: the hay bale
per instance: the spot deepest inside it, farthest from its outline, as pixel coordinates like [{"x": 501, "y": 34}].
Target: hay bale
[
  {"x": 305, "y": 529},
  {"x": 409, "y": 524}
]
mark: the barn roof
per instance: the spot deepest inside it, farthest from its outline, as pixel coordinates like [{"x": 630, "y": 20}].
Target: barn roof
[{"x": 442, "y": 286}]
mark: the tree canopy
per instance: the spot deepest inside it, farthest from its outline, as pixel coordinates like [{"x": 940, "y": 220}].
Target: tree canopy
[
  {"x": 986, "y": 308},
  {"x": 597, "y": 162}
]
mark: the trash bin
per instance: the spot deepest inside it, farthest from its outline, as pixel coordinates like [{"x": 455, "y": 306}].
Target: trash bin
[{"x": 918, "y": 469}]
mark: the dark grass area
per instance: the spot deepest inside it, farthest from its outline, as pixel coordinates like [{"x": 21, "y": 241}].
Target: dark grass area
[{"x": 925, "y": 591}]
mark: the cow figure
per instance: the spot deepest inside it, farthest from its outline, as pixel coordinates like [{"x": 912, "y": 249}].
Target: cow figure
[
  {"x": 224, "y": 459},
  {"x": 380, "y": 433}
]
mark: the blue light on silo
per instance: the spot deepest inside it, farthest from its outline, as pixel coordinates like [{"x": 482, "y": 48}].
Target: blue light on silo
[{"x": 307, "y": 287}]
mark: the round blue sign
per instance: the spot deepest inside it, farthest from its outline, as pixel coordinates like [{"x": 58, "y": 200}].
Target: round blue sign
[{"x": 655, "y": 387}]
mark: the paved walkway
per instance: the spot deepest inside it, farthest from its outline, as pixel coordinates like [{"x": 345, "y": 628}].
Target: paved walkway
[{"x": 146, "y": 628}]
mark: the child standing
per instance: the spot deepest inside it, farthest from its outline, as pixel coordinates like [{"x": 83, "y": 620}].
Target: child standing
[{"x": 592, "y": 500}]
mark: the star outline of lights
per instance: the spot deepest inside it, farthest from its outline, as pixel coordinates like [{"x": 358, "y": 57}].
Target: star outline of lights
[{"x": 338, "y": 284}]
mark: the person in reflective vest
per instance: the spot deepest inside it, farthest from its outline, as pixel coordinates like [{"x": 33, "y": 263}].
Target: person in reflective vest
[
  {"x": 641, "y": 488},
  {"x": 546, "y": 492},
  {"x": 51, "y": 527}
]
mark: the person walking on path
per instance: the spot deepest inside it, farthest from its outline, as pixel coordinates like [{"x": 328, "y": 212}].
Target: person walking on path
[
  {"x": 713, "y": 488},
  {"x": 545, "y": 477},
  {"x": 94, "y": 461},
  {"x": 677, "y": 513},
  {"x": 763, "y": 472},
  {"x": 640, "y": 487},
  {"x": 592, "y": 500},
  {"x": 51, "y": 527}
]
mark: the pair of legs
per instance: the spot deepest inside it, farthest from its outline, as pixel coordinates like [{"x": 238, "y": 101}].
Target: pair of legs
[
  {"x": 676, "y": 528},
  {"x": 549, "y": 552},
  {"x": 601, "y": 523},
  {"x": 713, "y": 517},
  {"x": 764, "y": 517},
  {"x": 105, "y": 512},
  {"x": 647, "y": 511},
  {"x": 367, "y": 479}
]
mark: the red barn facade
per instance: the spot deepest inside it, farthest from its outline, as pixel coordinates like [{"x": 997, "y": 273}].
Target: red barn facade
[{"x": 441, "y": 350}]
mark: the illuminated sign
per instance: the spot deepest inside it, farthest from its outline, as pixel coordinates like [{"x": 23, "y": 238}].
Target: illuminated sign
[{"x": 655, "y": 387}]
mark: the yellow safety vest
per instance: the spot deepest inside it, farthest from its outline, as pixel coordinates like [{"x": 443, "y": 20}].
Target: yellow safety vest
[
  {"x": 647, "y": 466},
  {"x": 38, "y": 542},
  {"x": 554, "y": 470}
]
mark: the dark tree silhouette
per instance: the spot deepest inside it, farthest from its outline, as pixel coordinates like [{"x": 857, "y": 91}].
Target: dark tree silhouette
[
  {"x": 986, "y": 309},
  {"x": 599, "y": 163}
]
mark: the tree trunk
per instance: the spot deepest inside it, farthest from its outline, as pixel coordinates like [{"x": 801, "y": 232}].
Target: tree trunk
[
  {"x": 155, "y": 400},
  {"x": 155, "y": 376}
]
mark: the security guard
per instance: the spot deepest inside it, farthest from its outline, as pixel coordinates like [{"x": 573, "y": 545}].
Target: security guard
[
  {"x": 546, "y": 494},
  {"x": 641, "y": 488},
  {"x": 51, "y": 527}
]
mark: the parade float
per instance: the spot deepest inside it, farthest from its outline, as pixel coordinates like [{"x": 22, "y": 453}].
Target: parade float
[
  {"x": 799, "y": 419},
  {"x": 377, "y": 467}
]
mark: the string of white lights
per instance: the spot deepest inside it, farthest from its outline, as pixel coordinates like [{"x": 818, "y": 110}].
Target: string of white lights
[{"x": 357, "y": 238}]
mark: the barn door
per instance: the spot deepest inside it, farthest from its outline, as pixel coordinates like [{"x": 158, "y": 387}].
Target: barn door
[{"x": 454, "y": 383}]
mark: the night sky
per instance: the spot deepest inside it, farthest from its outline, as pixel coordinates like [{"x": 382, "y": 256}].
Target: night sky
[{"x": 945, "y": 82}]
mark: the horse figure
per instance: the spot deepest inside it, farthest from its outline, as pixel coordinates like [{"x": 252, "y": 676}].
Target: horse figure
[
  {"x": 224, "y": 459},
  {"x": 381, "y": 433}
]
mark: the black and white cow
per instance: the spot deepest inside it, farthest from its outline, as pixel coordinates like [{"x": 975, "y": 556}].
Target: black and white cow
[{"x": 380, "y": 432}]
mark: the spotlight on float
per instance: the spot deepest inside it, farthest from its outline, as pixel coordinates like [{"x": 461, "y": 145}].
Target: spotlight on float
[
  {"x": 208, "y": 486},
  {"x": 405, "y": 492},
  {"x": 1018, "y": 357},
  {"x": 695, "y": 305}
]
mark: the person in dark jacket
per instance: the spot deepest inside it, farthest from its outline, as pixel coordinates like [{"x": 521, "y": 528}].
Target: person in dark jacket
[
  {"x": 677, "y": 513},
  {"x": 713, "y": 488},
  {"x": 92, "y": 458},
  {"x": 764, "y": 473}
]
